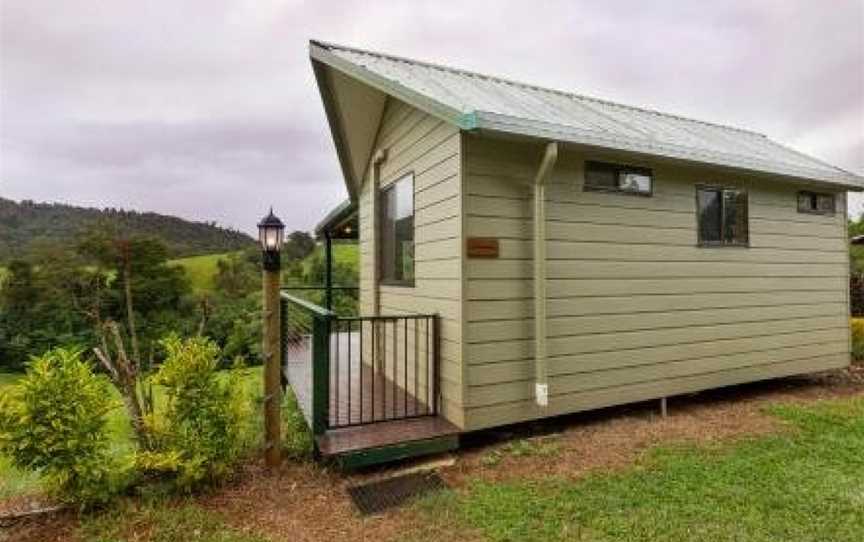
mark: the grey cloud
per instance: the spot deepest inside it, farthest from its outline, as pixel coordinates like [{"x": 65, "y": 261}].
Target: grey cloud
[{"x": 208, "y": 109}]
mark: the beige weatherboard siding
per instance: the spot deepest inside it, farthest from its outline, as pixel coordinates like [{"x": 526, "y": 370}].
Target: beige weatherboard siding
[
  {"x": 426, "y": 147},
  {"x": 635, "y": 309}
]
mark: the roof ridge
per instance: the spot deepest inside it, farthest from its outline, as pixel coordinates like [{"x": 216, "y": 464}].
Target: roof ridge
[{"x": 572, "y": 95}]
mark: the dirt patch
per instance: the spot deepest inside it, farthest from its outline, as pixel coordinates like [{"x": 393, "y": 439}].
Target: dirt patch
[
  {"x": 306, "y": 502},
  {"x": 58, "y": 527}
]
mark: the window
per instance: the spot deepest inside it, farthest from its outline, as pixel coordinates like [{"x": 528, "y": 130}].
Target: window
[
  {"x": 397, "y": 232},
  {"x": 811, "y": 202},
  {"x": 603, "y": 177},
  {"x": 722, "y": 216}
]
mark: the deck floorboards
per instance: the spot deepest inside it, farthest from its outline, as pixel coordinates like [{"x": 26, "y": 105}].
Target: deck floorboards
[{"x": 367, "y": 407}]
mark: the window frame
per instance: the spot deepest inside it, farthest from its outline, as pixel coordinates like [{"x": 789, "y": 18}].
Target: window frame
[
  {"x": 382, "y": 194},
  {"x": 721, "y": 243},
  {"x": 817, "y": 210},
  {"x": 618, "y": 169}
]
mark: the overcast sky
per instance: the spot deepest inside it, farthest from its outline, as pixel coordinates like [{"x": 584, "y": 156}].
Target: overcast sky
[{"x": 208, "y": 109}]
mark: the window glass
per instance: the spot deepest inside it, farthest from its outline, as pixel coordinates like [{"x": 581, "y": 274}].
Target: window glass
[
  {"x": 397, "y": 231},
  {"x": 617, "y": 178},
  {"x": 734, "y": 216},
  {"x": 825, "y": 203},
  {"x": 600, "y": 176},
  {"x": 811, "y": 202},
  {"x": 634, "y": 182},
  {"x": 722, "y": 216},
  {"x": 709, "y": 216}
]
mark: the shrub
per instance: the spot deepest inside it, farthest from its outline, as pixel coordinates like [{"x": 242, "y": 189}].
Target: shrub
[
  {"x": 54, "y": 422},
  {"x": 199, "y": 433},
  {"x": 297, "y": 436},
  {"x": 857, "y": 325}
]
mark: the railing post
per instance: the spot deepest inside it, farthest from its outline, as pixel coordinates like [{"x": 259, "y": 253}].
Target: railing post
[
  {"x": 320, "y": 374},
  {"x": 436, "y": 365},
  {"x": 283, "y": 340}
]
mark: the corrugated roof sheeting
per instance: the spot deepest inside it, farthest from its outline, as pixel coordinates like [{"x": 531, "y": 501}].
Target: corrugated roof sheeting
[{"x": 502, "y": 105}]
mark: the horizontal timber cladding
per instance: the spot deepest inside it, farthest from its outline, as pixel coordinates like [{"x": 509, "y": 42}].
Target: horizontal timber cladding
[
  {"x": 430, "y": 149},
  {"x": 636, "y": 310}
]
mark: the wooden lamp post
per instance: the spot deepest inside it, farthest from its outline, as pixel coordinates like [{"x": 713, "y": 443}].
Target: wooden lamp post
[{"x": 271, "y": 233}]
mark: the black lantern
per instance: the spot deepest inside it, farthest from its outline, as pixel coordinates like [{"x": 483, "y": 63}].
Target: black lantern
[{"x": 271, "y": 232}]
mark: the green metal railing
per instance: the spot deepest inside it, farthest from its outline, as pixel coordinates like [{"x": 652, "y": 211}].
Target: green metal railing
[
  {"x": 357, "y": 370},
  {"x": 305, "y": 341}
]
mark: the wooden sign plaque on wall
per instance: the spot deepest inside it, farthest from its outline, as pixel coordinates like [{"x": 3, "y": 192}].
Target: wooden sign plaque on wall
[{"x": 482, "y": 247}]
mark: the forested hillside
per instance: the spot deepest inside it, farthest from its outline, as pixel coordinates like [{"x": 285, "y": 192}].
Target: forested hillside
[{"x": 23, "y": 223}]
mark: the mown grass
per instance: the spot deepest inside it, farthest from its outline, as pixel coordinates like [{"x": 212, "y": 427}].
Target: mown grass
[
  {"x": 806, "y": 485},
  {"x": 159, "y": 520},
  {"x": 343, "y": 253},
  {"x": 201, "y": 270}
]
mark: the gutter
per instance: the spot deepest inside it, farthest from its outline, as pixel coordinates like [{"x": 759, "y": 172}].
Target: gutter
[{"x": 541, "y": 371}]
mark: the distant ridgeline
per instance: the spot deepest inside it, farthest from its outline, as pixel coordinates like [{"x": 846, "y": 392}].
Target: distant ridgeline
[{"x": 26, "y": 222}]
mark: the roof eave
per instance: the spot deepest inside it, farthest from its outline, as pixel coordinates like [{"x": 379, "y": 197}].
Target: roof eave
[
  {"x": 319, "y": 52},
  {"x": 336, "y": 218},
  {"x": 342, "y": 152},
  {"x": 494, "y": 122}
]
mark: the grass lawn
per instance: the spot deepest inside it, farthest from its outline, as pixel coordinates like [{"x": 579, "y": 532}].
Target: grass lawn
[
  {"x": 343, "y": 253},
  {"x": 201, "y": 270},
  {"x": 803, "y": 485},
  {"x": 801, "y": 481}
]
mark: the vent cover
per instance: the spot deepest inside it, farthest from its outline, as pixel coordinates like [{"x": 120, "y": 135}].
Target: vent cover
[{"x": 375, "y": 497}]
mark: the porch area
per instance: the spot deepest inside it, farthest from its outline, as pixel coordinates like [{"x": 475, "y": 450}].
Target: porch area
[{"x": 366, "y": 385}]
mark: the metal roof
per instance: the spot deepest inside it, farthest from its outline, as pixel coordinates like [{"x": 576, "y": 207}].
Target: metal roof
[{"x": 474, "y": 101}]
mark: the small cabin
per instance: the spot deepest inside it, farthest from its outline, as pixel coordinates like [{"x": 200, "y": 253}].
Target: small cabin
[{"x": 527, "y": 253}]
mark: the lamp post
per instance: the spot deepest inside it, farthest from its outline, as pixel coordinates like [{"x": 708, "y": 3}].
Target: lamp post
[{"x": 271, "y": 233}]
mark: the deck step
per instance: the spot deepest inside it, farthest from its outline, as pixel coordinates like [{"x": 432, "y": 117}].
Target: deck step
[{"x": 381, "y": 442}]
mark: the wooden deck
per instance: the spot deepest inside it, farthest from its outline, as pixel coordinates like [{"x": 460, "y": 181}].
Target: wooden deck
[{"x": 367, "y": 408}]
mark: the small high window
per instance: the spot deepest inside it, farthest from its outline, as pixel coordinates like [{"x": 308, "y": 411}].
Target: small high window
[
  {"x": 722, "y": 216},
  {"x": 812, "y": 202},
  {"x": 397, "y": 232},
  {"x": 604, "y": 177}
]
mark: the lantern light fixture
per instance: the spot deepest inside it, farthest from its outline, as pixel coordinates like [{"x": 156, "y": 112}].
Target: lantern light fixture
[{"x": 271, "y": 235}]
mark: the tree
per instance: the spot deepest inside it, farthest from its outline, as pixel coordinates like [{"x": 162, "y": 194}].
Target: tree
[
  {"x": 236, "y": 277},
  {"x": 298, "y": 245},
  {"x": 145, "y": 292}
]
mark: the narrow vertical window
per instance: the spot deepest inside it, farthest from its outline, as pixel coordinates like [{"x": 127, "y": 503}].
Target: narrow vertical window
[
  {"x": 397, "y": 232},
  {"x": 722, "y": 217}
]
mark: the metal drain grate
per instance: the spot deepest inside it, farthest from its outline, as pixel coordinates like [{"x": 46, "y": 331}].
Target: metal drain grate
[{"x": 378, "y": 496}]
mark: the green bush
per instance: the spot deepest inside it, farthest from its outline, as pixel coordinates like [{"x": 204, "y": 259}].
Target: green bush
[
  {"x": 199, "y": 433},
  {"x": 54, "y": 422}
]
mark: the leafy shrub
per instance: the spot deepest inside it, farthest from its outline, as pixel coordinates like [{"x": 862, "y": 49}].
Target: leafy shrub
[
  {"x": 857, "y": 325},
  {"x": 199, "y": 433},
  {"x": 54, "y": 421},
  {"x": 297, "y": 436}
]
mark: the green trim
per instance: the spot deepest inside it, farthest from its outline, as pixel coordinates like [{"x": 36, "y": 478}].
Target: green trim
[
  {"x": 395, "y": 452},
  {"x": 320, "y": 374},
  {"x": 316, "y": 310},
  {"x": 468, "y": 121}
]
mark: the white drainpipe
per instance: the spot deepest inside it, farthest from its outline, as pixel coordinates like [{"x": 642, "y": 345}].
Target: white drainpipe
[
  {"x": 377, "y": 159},
  {"x": 541, "y": 372}
]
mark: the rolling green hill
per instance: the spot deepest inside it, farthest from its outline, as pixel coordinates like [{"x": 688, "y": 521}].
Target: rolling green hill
[
  {"x": 23, "y": 223},
  {"x": 201, "y": 270}
]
